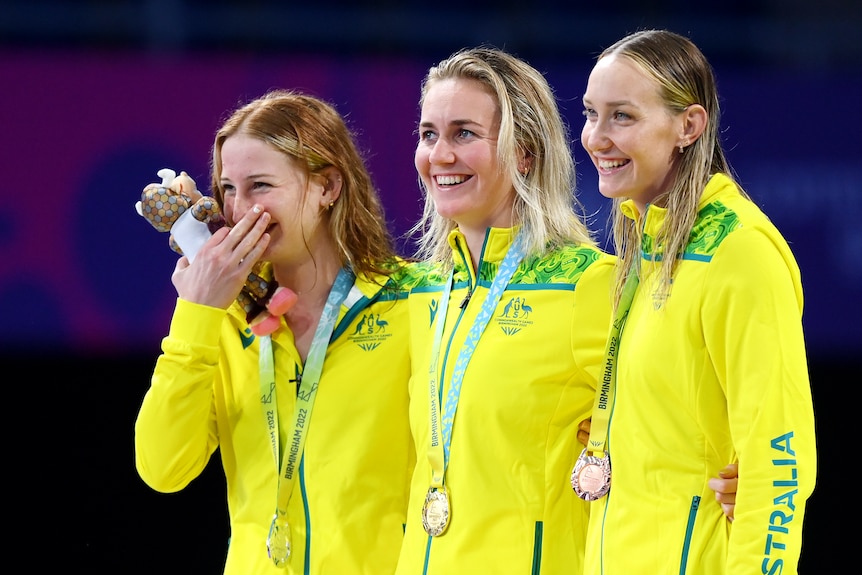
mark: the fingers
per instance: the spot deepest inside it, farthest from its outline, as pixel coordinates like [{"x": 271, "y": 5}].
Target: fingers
[
  {"x": 725, "y": 497},
  {"x": 247, "y": 240},
  {"x": 722, "y": 495},
  {"x": 223, "y": 263},
  {"x": 726, "y": 484},
  {"x": 725, "y": 487},
  {"x": 731, "y": 471},
  {"x": 584, "y": 432},
  {"x": 583, "y": 438},
  {"x": 728, "y": 510}
]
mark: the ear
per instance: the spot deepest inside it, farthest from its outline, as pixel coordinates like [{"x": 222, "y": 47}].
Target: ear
[
  {"x": 332, "y": 182},
  {"x": 694, "y": 120},
  {"x": 525, "y": 164}
]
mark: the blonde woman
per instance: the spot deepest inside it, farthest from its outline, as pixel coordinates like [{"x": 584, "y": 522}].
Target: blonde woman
[
  {"x": 507, "y": 331},
  {"x": 711, "y": 363}
]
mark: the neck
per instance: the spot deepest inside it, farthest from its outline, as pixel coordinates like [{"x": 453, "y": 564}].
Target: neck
[
  {"x": 312, "y": 281},
  {"x": 312, "y": 278}
]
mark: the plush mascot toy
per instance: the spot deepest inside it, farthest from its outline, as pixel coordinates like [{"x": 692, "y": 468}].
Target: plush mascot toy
[{"x": 175, "y": 205}]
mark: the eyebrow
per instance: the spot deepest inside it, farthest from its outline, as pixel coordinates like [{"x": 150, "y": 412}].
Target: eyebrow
[
  {"x": 249, "y": 177},
  {"x": 614, "y": 104},
  {"x": 452, "y": 123}
]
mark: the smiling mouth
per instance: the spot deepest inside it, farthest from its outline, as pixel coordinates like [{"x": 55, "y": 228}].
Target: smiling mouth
[
  {"x": 451, "y": 180},
  {"x": 611, "y": 164}
]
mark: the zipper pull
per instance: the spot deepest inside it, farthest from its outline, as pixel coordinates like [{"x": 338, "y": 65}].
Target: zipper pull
[{"x": 466, "y": 299}]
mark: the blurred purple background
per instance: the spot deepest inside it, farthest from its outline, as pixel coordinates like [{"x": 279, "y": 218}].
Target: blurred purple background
[{"x": 80, "y": 271}]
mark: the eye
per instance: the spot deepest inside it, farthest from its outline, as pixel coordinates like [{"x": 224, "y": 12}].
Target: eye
[
  {"x": 589, "y": 113},
  {"x": 426, "y": 135},
  {"x": 228, "y": 190},
  {"x": 621, "y": 116},
  {"x": 260, "y": 187},
  {"x": 465, "y": 134}
]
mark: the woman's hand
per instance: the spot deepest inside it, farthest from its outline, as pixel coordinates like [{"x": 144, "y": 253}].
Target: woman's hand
[
  {"x": 222, "y": 265},
  {"x": 725, "y": 486},
  {"x": 584, "y": 431}
]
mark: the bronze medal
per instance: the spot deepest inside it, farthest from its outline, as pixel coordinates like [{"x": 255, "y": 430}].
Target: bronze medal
[
  {"x": 435, "y": 512},
  {"x": 278, "y": 542},
  {"x": 591, "y": 477}
]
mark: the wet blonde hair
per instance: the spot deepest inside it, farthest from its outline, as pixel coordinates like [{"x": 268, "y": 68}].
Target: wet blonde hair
[
  {"x": 531, "y": 127},
  {"x": 313, "y": 133},
  {"x": 683, "y": 77}
]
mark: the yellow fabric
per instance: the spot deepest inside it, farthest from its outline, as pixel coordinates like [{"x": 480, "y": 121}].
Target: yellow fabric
[
  {"x": 530, "y": 381},
  {"x": 714, "y": 373},
  {"x": 354, "y": 473}
]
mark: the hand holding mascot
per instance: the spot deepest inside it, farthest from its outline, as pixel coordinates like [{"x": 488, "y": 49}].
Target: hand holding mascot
[{"x": 175, "y": 205}]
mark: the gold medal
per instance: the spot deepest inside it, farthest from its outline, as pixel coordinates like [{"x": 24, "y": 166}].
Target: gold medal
[
  {"x": 435, "y": 511},
  {"x": 278, "y": 542},
  {"x": 591, "y": 477}
]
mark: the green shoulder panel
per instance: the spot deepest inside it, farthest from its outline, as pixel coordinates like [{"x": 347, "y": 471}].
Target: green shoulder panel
[
  {"x": 564, "y": 265},
  {"x": 416, "y": 274},
  {"x": 714, "y": 223}
]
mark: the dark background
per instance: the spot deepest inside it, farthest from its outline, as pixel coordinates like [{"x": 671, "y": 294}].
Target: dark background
[{"x": 96, "y": 97}]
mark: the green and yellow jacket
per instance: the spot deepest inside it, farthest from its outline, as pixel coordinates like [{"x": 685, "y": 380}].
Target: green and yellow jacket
[
  {"x": 347, "y": 511},
  {"x": 528, "y": 384},
  {"x": 712, "y": 371}
]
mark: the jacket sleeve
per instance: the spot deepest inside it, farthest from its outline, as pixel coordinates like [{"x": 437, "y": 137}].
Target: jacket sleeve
[
  {"x": 593, "y": 316},
  {"x": 753, "y": 324},
  {"x": 175, "y": 431}
]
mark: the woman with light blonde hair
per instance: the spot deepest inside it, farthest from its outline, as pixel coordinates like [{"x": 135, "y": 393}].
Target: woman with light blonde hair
[{"x": 710, "y": 364}]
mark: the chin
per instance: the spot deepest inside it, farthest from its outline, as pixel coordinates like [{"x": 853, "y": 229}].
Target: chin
[
  {"x": 609, "y": 192},
  {"x": 446, "y": 211}
]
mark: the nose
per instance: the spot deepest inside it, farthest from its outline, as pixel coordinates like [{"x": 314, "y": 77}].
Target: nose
[
  {"x": 236, "y": 207},
  {"x": 441, "y": 152},
  {"x": 594, "y": 138}
]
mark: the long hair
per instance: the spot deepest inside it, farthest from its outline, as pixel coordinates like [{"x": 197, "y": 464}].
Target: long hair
[
  {"x": 683, "y": 77},
  {"x": 545, "y": 204},
  {"x": 312, "y": 132}
]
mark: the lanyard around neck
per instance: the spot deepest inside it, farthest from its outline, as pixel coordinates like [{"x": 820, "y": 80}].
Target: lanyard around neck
[
  {"x": 290, "y": 459},
  {"x": 607, "y": 386},
  {"x": 438, "y": 451}
]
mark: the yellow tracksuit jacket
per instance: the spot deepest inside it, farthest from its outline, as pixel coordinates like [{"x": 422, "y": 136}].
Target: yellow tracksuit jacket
[
  {"x": 713, "y": 373},
  {"x": 530, "y": 381},
  {"x": 347, "y": 511}
]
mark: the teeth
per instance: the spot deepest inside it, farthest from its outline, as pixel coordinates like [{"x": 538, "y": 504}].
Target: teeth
[
  {"x": 608, "y": 164},
  {"x": 450, "y": 180}
]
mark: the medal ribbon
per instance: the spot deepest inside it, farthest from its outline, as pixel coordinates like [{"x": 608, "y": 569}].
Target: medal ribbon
[
  {"x": 307, "y": 390},
  {"x": 438, "y": 452},
  {"x": 607, "y": 386}
]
